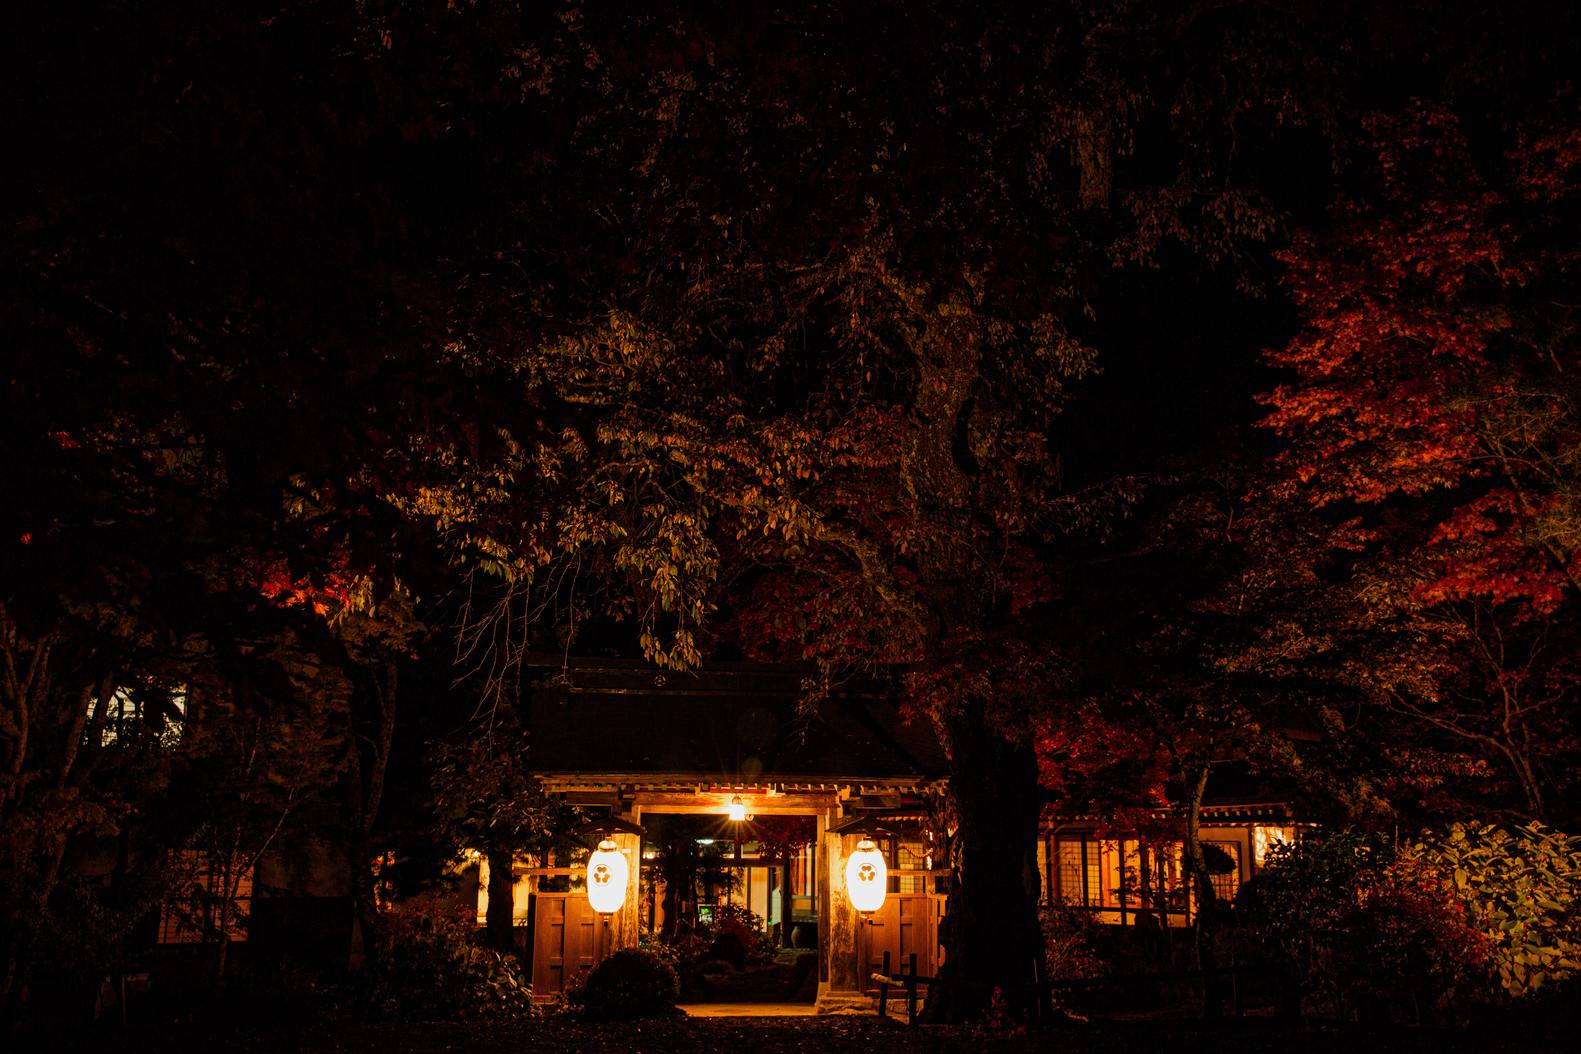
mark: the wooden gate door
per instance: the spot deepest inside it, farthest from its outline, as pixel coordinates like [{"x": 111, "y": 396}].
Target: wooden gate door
[
  {"x": 569, "y": 939},
  {"x": 907, "y": 923}
]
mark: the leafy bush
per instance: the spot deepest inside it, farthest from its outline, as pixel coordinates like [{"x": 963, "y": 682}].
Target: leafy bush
[
  {"x": 1307, "y": 893},
  {"x": 743, "y": 929},
  {"x": 631, "y": 983},
  {"x": 1522, "y": 889},
  {"x": 1410, "y": 934},
  {"x": 1070, "y": 938},
  {"x": 1351, "y": 922},
  {"x": 745, "y": 926},
  {"x": 427, "y": 966},
  {"x": 665, "y": 951}
]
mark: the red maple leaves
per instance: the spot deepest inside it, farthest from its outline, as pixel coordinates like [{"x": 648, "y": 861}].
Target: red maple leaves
[{"x": 1426, "y": 375}]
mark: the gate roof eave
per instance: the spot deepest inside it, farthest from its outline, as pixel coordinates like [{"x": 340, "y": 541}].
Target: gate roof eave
[{"x": 704, "y": 783}]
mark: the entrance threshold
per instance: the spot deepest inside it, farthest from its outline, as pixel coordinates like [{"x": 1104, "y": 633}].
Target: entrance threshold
[{"x": 748, "y": 1009}]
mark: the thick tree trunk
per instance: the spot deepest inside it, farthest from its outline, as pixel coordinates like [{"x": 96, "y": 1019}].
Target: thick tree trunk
[
  {"x": 991, "y": 937},
  {"x": 1094, "y": 151},
  {"x": 499, "y": 922},
  {"x": 990, "y": 934}
]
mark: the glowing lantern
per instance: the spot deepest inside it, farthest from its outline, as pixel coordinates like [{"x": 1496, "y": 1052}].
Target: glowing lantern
[
  {"x": 866, "y": 877},
  {"x": 607, "y": 872},
  {"x": 736, "y": 810}
]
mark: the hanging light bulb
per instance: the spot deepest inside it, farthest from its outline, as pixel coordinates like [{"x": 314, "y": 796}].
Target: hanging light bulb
[
  {"x": 607, "y": 873},
  {"x": 866, "y": 877},
  {"x": 736, "y": 810}
]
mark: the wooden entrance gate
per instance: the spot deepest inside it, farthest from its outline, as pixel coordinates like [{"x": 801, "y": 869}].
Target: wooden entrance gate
[
  {"x": 569, "y": 939},
  {"x": 907, "y": 924}
]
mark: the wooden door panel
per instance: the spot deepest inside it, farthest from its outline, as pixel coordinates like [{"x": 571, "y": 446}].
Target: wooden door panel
[
  {"x": 548, "y": 954},
  {"x": 907, "y": 923},
  {"x": 569, "y": 939}
]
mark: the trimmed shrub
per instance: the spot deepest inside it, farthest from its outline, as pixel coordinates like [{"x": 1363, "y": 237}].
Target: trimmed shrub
[
  {"x": 1410, "y": 935},
  {"x": 728, "y": 947},
  {"x": 632, "y": 983}
]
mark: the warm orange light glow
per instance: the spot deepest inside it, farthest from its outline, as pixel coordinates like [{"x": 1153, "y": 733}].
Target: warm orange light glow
[
  {"x": 866, "y": 877},
  {"x": 736, "y": 810},
  {"x": 1265, "y": 838},
  {"x": 607, "y": 874}
]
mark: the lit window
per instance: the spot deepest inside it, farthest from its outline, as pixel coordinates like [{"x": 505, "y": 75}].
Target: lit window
[
  {"x": 1225, "y": 886},
  {"x": 1265, "y": 838},
  {"x": 1087, "y": 872},
  {"x": 192, "y": 914},
  {"x": 911, "y": 856},
  {"x": 157, "y": 713}
]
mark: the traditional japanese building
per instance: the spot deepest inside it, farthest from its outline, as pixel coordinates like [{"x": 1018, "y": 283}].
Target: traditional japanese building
[
  {"x": 737, "y": 742},
  {"x": 628, "y": 743}
]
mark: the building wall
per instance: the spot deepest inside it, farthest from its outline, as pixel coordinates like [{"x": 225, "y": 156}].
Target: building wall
[{"x": 1126, "y": 881}]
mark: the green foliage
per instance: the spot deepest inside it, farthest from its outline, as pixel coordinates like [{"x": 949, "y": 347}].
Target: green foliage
[
  {"x": 745, "y": 926},
  {"x": 1459, "y": 915},
  {"x": 632, "y": 983},
  {"x": 1307, "y": 887},
  {"x": 1523, "y": 888},
  {"x": 1350, "y": 921},
  {"x": 663, "y": 950},
  {"x": 428, "y": 967},
  {"x": 1410, "y": 935},
  {"x": 697, "y": 944},
  {"x": 483, "y": 795},
  {"x": 1070, "y": 936}
]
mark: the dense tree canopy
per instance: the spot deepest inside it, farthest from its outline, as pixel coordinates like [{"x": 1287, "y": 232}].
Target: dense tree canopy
[{"x": 906, "y": 340}]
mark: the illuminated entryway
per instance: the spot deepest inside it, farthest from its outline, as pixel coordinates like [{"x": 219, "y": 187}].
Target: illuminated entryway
[
  {"x": 800, "y": 893},
  {"x": 624, "y": 741}
]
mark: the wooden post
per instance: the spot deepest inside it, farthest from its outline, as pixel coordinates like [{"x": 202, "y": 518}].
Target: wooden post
[
  {"x": 883, "y": 989},
  {"x": 821, "y": 900},
  {"x": 842, "y": 986},
  {"x": 625, "y": 929},
  {"x": 911, "y": 987}
]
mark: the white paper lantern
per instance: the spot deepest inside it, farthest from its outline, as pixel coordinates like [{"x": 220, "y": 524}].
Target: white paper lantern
[
  {"x": 866, "y": 877},
  {"x": 607, "y": 874}
]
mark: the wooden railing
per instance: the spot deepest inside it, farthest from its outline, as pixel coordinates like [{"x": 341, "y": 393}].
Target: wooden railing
[{"x": 908, "y": 979}]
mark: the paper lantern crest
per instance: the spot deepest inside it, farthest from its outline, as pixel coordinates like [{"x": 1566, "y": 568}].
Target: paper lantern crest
[
  {"x": 607, "y": 876},
  {"x": 866, "y": 877}
]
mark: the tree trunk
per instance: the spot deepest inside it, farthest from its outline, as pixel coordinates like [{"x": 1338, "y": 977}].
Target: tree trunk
[
  {"x": 1207, "y": 904},
  {"x": 1526, "y": 777},
  {"x": 671, "y": 905},
  {"x": 500, "y": 920},
  {"x": 371, "y": 775},
  {"x": 991, "y": 936},
  {"x": 222, "y": 912},
  {"x": 1094, "y": 151}
]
